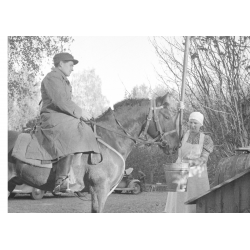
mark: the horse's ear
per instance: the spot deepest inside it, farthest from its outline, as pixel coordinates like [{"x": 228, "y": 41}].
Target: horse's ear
[
  {"x": 158, "y": 101},
  {"x": 167, "y": 100}
]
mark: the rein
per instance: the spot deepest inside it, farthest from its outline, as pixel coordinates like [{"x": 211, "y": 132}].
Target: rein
[
  {"x": 126, "y": 134},
  {"x": 151, "y": 115}
]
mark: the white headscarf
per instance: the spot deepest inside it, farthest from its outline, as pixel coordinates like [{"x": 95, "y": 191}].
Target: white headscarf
[{"x": 197, "y": 116}]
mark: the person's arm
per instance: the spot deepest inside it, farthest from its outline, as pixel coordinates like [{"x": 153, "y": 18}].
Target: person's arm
[
  {"x": 56, "y": 91},
  {"x": 206, "y": 151}
]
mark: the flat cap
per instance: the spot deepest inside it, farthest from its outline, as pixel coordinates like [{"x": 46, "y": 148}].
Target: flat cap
[{"x": 64, "y": 57}]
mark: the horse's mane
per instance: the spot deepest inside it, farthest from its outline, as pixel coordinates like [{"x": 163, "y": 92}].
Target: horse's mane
[
  {"x": 129, "y": 101},
  {"x": 104, "y": 115},
  {"x": 125, "y": 102}
]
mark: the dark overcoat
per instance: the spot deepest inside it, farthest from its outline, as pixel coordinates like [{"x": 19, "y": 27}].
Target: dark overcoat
[{"x": 60, "y": 132}]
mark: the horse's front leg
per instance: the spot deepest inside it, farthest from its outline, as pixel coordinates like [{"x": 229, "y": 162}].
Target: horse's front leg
[
  {"x": 94, "y": 206},
  {"x": 99, "y": 193}
]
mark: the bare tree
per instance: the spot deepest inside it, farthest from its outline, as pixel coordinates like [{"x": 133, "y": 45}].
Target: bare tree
[{"x": 217, "y": 83}]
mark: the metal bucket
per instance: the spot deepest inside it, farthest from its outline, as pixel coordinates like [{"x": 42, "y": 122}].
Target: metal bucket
[{"x": 176, "y": 176}]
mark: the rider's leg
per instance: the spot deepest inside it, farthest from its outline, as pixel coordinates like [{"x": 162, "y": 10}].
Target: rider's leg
[{"x": 62, "y": 171}]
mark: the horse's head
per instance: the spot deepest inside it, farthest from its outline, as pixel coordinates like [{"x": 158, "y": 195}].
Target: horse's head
[{"x": 162, "y": 127}]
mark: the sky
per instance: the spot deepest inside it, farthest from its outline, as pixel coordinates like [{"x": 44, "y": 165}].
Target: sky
[{"x": 121, "y": 62}]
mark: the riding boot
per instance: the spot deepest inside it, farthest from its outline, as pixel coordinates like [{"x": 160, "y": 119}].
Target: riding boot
[
  {"x": 77, "y": 172},
  {"x": 62, "y": 169}
]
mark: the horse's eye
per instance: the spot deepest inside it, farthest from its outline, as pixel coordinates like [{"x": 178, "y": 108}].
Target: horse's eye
[{"x": 165, "y": 116}]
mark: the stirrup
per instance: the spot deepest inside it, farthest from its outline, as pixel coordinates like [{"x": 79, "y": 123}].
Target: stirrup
[{"x": 57, "y": 188}]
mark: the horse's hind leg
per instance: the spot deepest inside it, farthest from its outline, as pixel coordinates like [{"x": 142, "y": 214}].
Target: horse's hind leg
[
  {"x": 11, "y": 174},
  {"x": 11, "y": 187},
  {"x": 11, "y": 171}
]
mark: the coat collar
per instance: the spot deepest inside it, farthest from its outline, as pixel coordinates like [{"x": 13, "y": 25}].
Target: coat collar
[{"x": 60, "y": 73}]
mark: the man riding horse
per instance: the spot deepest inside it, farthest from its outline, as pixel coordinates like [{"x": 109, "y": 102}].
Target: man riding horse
[{"x": 62, "y": 130}]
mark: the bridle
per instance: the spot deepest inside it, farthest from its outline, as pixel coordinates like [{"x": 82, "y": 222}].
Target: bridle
[
  {"x": 143, "y": 139},
  {"x": 154, "y": 114}
]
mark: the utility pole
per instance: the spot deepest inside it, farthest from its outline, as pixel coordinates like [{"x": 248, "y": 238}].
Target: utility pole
[{"x": 184, "y": 73}]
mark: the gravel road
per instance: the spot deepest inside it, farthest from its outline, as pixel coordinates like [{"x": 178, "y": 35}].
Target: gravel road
[{"x": 146, "y": 202}]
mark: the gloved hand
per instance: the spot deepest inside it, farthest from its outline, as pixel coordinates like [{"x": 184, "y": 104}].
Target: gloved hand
[
  {"x": 195, "y": 167},
  {"x": 83, "y": 119},
  {"x": 197, "y": 162},
  {"x": 181, "y": 105},
  {"x": 197, "y": 170},
  {"x": 194, "y": 163}
]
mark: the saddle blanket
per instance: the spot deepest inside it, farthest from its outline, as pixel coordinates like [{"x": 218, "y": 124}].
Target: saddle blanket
[
  {"x": 19, "y": 152},
  {"x": 20, "y": 148}
]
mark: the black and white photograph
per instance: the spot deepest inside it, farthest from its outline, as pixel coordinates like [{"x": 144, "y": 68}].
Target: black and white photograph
[
  {"x": 149, "y": 128},
  {"x": 170, "y": 135}
]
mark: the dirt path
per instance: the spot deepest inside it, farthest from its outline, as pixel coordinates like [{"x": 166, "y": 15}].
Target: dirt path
[{"x": 148, "y": 202}]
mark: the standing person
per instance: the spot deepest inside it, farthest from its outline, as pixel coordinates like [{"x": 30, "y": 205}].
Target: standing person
[
  {"x": 62, "y": 131},
  {"x": 195, "y": 149},
  {"x": 141, "y": 177}
]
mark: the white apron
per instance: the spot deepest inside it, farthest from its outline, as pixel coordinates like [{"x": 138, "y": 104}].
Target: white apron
[{"x": 197, "y": 181}]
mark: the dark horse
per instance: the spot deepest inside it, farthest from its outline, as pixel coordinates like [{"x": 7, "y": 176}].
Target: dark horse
[{"x": 119, "y": 130}]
